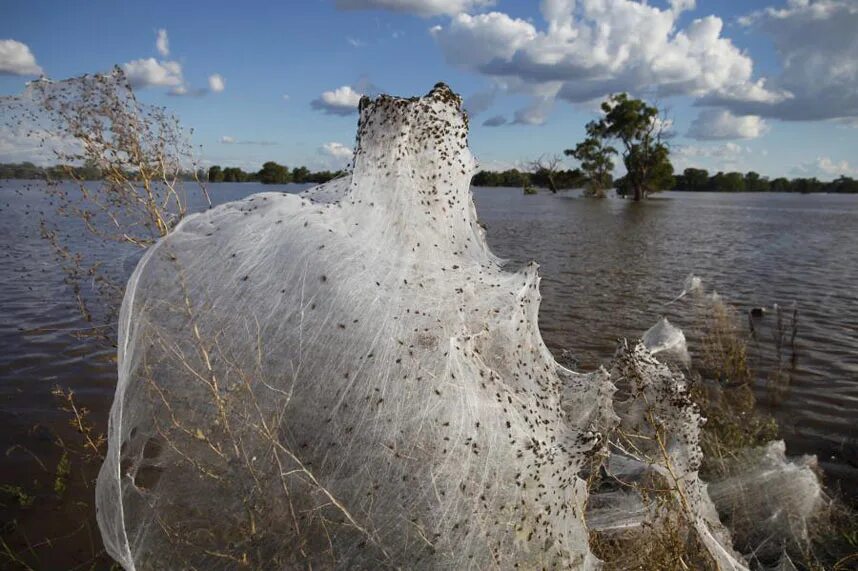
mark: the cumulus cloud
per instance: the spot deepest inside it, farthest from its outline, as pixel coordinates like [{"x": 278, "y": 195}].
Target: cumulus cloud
[
  {"x": 536, "y": 113},
  {"x": 217, "y": 83},
  {"x": 725, "y": 156},
  {"x": 185, "y": 90},
  {"x": 836, "y": 168},
  {"x": 162, "y": 43},
  {"x": 826, "y": 168},
  {"x": 818, "y": 49},
  {"x": 28, "y": 141},
  {"x": 227, "y": 140},
  {"x": 149, "y": 72},
  {"x": 17, "y": 59},
  {"x": 341, "y": 101},
  {"x": 337, "y": 150},
  {"x": 477, "y": 41},
  {"x": 717, "y": 124},
  {"x": 495, "y": 121},
  {"x": 336, "y": 155},
  {"x": 726, "y": 151},
  {"x": 152, "y": 72},
  {"x": 595, "y": 47},
  {"x": 682, "y": 5},
  {"x": 420, "y": 7}
]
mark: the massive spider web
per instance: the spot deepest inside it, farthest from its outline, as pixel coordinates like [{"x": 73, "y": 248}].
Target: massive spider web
[{"x": 349, "y": 378}]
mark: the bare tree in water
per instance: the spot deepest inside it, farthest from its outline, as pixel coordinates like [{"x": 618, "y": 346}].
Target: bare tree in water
[{"x": 545, "y": 168}]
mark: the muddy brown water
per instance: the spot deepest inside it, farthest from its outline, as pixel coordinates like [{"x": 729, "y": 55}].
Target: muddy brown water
[{"x": 608, "y": 269}]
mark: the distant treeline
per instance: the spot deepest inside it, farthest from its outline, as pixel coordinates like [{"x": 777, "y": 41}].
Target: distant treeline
[
  {"x": 572, "y": 178},
  {"x": 691, "y": 179},
  {"x": 271, "y": 173},
  {"x": 699, "y": 180},
  {"x": 29, "y": 171}
]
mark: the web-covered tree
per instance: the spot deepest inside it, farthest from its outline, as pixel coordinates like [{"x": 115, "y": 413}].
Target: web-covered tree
[
  {"x": 596, "y": 161},
  {"x": 646, "y": 156}
]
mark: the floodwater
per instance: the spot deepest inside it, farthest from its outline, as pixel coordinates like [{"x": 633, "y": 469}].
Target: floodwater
[{"x": 609, "y": 268}]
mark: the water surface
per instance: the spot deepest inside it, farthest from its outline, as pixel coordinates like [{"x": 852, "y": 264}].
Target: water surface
[{"x": 608, "y": 269}]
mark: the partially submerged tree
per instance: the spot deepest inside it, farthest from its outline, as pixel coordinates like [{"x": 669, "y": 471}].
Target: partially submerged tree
[
  {"x": 639, "y": 128},
  {"x": 595, "y": 158},
  {"x": 545, "y": 170}
]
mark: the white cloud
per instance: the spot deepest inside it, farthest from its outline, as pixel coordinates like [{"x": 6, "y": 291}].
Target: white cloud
[
  {"x": 825, "y": 168},
  {"x": 28, "y": 141},
  {"x": 595, "y": 47},
  {"x": 817, "y": 44},
  {"x": 337, "y": 150},
  {"x": 162, "y": 43},
  {"x": 475, "y": 41},
  {"x": 536, "y": 113},
  {"x": 725, "y": 157},
  {"x": 355, "y": 43},
  {"x": 683, "y": 5},
  {"x": 715, "y": 124},
  {"x": 217, "y": 83},
  {"x": 419, "y": 7},
  {"x": 726, "y": 151},
  {"x": 341, "y": 101},
  {"x": 17, "y": 59},
  {"x": 835, "y": 168},
  {"x": 150, "y": 72},
  {"x": 227, "y": 140},
  {"x": 498, "y": 165},
  {"x": 337, "y": 155},
  {"x": 285, "y": 97}
]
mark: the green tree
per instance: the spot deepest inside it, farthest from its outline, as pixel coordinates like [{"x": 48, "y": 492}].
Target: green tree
[
  {"x": 235, "y": 174},
  {"x": 780, "y": 184},
  {"x": 273, "y": 173},
  {"x": 215, "y": 174},
  {"x": 806, "y": 185},
  {"x": 844, "y": 184},
  {"x": 695, "y": 179},
  {"x": 646, "y": 156},
  {"x": 729, "y": 182},
  {"x": 595, "y": 158},
  {"x": 300, "y": 174},
  {"x": 755, "y": 183}
]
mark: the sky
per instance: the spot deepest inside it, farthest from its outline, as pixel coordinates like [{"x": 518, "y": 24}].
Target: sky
[{"x": 763, "y": 85}]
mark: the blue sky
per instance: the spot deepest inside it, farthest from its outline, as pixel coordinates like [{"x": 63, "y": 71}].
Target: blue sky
[{"x": 765, "y": 85}]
